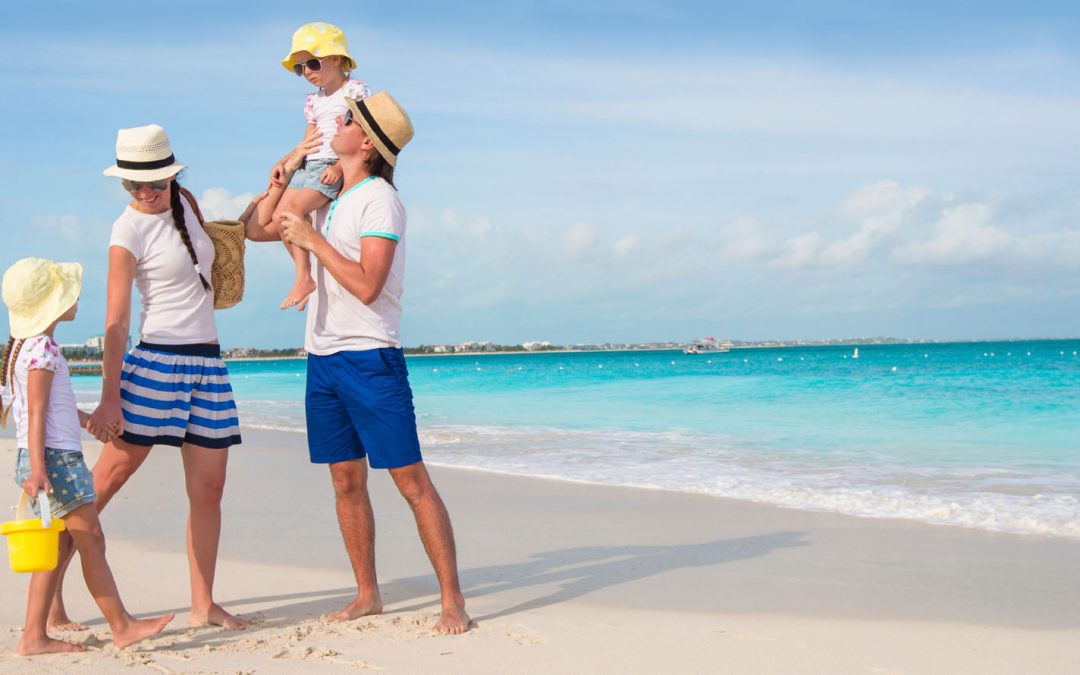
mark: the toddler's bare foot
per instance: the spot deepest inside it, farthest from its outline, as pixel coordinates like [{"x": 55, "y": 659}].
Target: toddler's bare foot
[
  {"x": 48, "y": 645},
  {"x": 216, "y": 616},
  {"x": 356, "y": 609},
  {"x": 299, "y": 294},
  {"x": 140, "y": 629},
  {"x": 454, "y": 620}
]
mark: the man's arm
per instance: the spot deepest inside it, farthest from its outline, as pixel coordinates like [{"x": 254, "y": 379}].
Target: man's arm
[{"x": 364, "y": 279}]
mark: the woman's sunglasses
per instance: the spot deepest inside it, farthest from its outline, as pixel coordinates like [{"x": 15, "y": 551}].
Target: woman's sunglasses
[
  {"x": 135, "y": 185},
  {"x": 314, "y": 65}
]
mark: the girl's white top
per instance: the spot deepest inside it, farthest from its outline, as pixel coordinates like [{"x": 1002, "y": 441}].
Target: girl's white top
[
  {"x": 62, "y": 431},
  {"x": 322, "y": 110},
  {"x": 176, "y": 309}
]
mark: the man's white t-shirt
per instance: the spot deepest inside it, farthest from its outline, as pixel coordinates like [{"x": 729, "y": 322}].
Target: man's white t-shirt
[
  {"x": 176, "y": 309},
  {"x": 337, "y": 321}
]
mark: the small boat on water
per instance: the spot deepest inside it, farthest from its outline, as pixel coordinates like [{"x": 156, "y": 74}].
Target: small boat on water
[
  {"x": 84, "y": 368},
  {"x": 692, "y": 349},
  {"x": 856, "y": 354}
]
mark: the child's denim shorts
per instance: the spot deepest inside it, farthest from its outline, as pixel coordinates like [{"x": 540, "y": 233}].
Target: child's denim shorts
[
  {"x": 307, "y": 176},
  {"x": 72, "y": 483}
]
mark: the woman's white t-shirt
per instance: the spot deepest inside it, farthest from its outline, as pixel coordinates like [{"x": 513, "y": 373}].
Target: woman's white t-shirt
[
  {"x": 176, "y": 309},
  {"x": 62, "y": 430}
]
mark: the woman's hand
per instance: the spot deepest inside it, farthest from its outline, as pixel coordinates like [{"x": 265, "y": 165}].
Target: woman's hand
[
  {"x": 297, "y": 230},
  {"x": 35, "y": 483},
  {"x": 332, "y": 175},
  {"x": 309, "y": 144},
  {"x": 106, "y": 422}
]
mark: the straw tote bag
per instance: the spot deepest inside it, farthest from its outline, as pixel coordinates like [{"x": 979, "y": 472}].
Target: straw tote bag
[{"x": 227, "y": 272}]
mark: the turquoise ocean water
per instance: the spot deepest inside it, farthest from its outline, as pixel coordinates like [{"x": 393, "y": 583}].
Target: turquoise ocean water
[{"x": 983, "y": 435}]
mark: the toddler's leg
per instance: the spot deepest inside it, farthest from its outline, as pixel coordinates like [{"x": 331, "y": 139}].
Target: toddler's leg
[
  {"x": 35, "y": 639},
  {"x": 85, "y": 529},
  {"x": 301, "y": 202}
]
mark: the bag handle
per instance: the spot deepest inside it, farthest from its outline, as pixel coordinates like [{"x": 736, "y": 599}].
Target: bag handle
[
  {"x": 194, "y": 204},
  {"x": 43, "y": 505}
]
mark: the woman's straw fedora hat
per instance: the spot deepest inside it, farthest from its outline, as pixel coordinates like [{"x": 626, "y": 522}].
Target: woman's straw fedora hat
[
  {"x": 320, "y": 40},
  {"x": 385, "y": 122},
  {"x": 37, "y": 292},
  {"x": 144, "y": 154}
]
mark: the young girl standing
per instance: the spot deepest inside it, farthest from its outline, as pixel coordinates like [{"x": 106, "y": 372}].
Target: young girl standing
[
  {"x": 40, "y": 294},
  {"x": 320, "y": 54}
]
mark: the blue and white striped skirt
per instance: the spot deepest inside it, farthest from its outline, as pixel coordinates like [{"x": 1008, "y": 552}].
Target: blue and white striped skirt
[{"x": 176, "y": 394}]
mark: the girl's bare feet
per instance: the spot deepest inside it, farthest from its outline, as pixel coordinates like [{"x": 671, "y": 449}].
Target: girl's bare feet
[
  {"x": 216, "y": 616},
  {"x": 298, "y": 296},
  {"x": 60, "y": 623},
  {"x": 140, "y": 629},
  {"x": 46, "y": 645}
]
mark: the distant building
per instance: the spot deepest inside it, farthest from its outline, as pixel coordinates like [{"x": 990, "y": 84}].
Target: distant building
[{"x": 535, "y": 345}]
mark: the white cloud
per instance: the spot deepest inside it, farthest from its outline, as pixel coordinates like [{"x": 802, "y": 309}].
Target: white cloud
[
  {"x": 963, "y": 234},
  {"x": 798, "y": 251},
  {"x": 220, "y": 204},
  {"x": 745, "y": 241},
  {"x": 578, "y": 239},
  {"x": 624, "y": 246}
]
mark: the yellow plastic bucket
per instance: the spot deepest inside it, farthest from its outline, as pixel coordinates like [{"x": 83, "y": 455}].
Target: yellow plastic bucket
[{"x": 34, "y": 544}]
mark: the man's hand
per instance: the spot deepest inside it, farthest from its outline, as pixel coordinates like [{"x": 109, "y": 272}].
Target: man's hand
[
  {"x": 297, "y": 231},
  {"x": 332, "y": 175}
]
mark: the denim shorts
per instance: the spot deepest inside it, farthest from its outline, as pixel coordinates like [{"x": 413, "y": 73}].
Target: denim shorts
[
  {"x": 71, "y": 480},
  {"x": 307, "y": 176},
  {"x": 359, "y": 404}
]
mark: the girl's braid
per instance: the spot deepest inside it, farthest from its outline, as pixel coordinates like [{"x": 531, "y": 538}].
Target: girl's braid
[
  {"x": 178, "y": 219},
  {"x": 11, "y": 355}
]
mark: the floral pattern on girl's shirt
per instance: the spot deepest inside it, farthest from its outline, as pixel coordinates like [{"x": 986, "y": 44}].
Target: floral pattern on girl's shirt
[
  {"x": 354, "y": 89},
  {"x": 42, "y": 353}
]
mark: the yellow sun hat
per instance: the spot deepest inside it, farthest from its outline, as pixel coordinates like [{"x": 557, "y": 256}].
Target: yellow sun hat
[
  {"x": 321, "y": 40},
  {"x": 37, "y": 292}
]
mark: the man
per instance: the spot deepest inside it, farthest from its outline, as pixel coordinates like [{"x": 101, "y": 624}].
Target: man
[{"x": 359, "y": 403}]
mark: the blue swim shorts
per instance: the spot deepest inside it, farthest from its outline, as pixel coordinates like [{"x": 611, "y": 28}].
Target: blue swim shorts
[
  {"x": 359, "y": 404},
  {"x": 71, "y": 480},
  {"x": 307, "y": 176}
]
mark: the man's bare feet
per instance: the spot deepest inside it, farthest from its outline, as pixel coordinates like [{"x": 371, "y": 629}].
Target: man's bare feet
[
  {"x": 140, "y": 629},
  {"x": 216, "y": 616},
  {"x": 48, "y": 645},
  {"x": 356, "y": 609},
  {"x": 454, "y": 620},
  {"x": 297, "y": 297}
]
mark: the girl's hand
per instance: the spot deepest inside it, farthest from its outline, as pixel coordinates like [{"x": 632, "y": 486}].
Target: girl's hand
[
  {"x": 332, "y": 175},
  {"x": 277, "y": 175},
  {"x": 106, "y": 422},
  {"x": 35, "y": 483}
]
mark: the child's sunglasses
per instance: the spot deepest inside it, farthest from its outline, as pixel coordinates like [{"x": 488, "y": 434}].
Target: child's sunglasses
[
  {"x": 135, "y": 186},
  {"x": 314, "y": 65}
]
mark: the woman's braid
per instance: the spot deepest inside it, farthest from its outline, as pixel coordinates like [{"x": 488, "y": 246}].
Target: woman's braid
[{"x": 178, "y": 218}]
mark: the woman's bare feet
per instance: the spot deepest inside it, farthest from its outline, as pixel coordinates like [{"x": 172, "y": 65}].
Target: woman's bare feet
[
  {"x": 46, "y": 645},
  {"x": 298, "y": 296},
  {"x": 140, "y": 629},
  {"x": 216, "y": 616},
  {"x": 454, "y": 620},
  {"x": 356, "y": 609}
]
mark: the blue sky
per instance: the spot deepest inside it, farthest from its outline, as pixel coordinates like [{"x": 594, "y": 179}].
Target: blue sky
[{"x": 630, "y": 171}]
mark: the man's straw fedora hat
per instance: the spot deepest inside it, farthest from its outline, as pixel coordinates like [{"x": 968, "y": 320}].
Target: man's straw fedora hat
[
  {"x": 385, "y": 122},
  {"x": 37, "y": 292},
  {"x": 144, "y": 154}
]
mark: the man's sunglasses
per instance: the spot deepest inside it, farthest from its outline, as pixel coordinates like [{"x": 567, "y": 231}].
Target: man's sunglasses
[
  {"x": 314, "y": 65},
  {"x": 135, "y": 185}
]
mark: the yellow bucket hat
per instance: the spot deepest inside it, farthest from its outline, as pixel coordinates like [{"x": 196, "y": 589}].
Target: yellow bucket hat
[
  {"x": 37, "y": 292},
  {"x": 321, "y": 40}
]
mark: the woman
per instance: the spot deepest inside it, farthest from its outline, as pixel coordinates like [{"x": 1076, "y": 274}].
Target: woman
[{"x": 172, "y": 388}]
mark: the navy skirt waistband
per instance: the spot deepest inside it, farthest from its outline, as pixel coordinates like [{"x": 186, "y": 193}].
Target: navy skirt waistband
[{"x": 209, "y": 349}]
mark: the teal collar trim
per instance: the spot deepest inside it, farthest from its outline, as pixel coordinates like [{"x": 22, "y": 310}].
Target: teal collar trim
[{"x": 330, "y": 216}]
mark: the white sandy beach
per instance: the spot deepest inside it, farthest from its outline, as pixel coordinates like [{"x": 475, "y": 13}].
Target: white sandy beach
[{"x": 564, "y": 577}]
